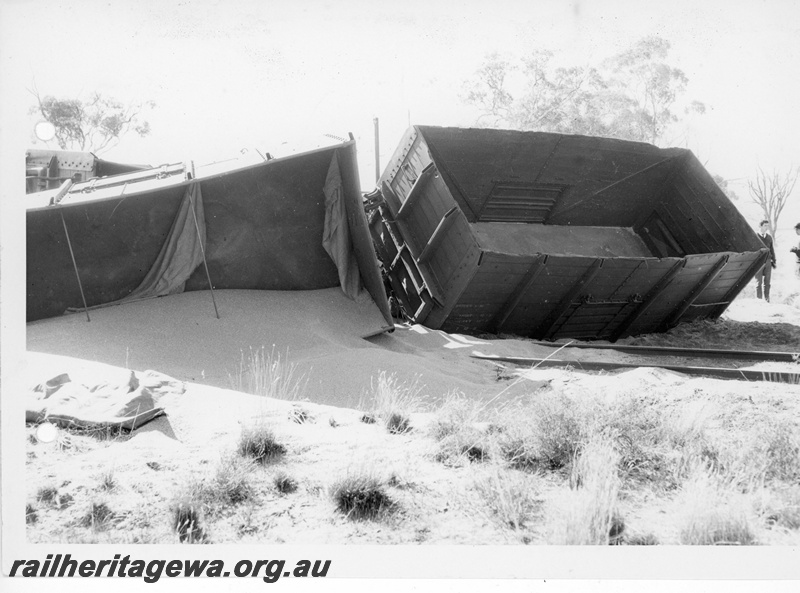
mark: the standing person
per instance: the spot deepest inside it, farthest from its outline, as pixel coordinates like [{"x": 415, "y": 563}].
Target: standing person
[
  {"x": 765, "y": 275},
  {"x": 796, "y": 251}
]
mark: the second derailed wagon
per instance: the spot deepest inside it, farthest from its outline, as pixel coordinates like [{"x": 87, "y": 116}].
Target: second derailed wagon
[{"x": 556, "y": 236}]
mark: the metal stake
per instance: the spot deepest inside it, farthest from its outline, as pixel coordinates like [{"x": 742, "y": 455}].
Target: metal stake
[
  {"x": 202, "y": 249},
  {"x": 75, "y": 265}
]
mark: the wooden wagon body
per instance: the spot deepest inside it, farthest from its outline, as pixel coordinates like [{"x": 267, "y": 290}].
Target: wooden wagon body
[{"x": 556, "y": 236}]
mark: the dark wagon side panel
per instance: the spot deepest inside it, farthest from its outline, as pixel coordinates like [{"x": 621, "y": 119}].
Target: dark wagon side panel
[
  {"x": 556, "y": 236},
  {"x": 263, "y": 225}
]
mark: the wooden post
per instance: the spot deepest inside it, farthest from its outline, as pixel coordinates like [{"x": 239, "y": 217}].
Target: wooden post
[
  {"x": 202, "y": 248},
  {"x": 75, "y": 266}
]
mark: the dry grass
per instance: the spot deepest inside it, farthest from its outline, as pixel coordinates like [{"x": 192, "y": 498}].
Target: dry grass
[
  {"x": 588, "y": 513},
  {"x": 107, "y": 480},
  {"x": 512, "y": 497},
  {"x": 284, "y": 483},
  {"x": 258, "y": 442},
  {"x": 264, "y": 372},
  {"x": 543, "y": 433},
  {"x": 394, "y": 401},
  {"x": 97, "y": 516},
  {"x": 783, "y": 508},
  {"x": 47, "y": 495},
  {"x": 584, "y": 461},
  {"x": 300, "y": 415},
  {"x": 187, "y": 522},
  {"x": 362, "y": 495},
  {"x": 456, "y": 429},
  {"x": 230, "y": 484},
  {"x": 710, "y": 512}
]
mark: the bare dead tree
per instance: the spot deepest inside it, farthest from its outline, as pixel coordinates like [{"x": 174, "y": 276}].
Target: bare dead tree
[{"x": 771, "y": 192}]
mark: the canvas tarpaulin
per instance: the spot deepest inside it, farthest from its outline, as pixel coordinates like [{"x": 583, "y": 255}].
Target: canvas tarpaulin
[
  {"x": 120, "y": 399},
  {"x": 336, "y": 234},
  {"x": 180, "y": 255}
]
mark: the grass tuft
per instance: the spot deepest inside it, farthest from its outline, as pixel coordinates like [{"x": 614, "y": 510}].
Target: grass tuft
[
  {"x": 394, "y": 401},
  {"x": 230, "y": 484},
  {"x": 455, "y": 428},
  {"x": 97, "y": 516},
  {"x": 542, "y": 434},
  {"x": 31, "y": 514},
  {"x": 587, "y": 514},
  {"x": 643, "y": 539},
  {"x": 711, "y": 512},
  {"x": 397, "y": 423},
  {"x": 187, "y": 522},
  {"x": 511, "y": 497},
  {"x": 266, "y": 373},
  {"x": 300, "y": 415},
  {"x": 284, "y": 483},
  {"x": 258, "y": 442},
  {"x": 361, "y": 495},
  {"x": 47, "y": 494},
  {"x": 107, "y": 480}
]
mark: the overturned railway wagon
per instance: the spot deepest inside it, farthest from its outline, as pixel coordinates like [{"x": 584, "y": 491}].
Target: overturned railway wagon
[
  {"x": 293, "y": 223},
  {"x": 556, "y": 236}
]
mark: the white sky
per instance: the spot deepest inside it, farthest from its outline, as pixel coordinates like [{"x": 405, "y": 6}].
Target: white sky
[{"x": 275, "y": 75}]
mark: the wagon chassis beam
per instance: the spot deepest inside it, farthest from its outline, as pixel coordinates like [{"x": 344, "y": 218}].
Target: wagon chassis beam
[{"x": 715, "y": 372}]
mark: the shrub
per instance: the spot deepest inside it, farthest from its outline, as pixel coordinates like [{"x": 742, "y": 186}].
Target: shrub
[
  {"x": 258, "y": 442},
  {"x": 361, "y": 495}
]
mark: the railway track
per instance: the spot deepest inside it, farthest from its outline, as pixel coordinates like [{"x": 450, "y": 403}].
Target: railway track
[
  {"x": 688, "y": 369},
  {"x": 688, "y": 352}
]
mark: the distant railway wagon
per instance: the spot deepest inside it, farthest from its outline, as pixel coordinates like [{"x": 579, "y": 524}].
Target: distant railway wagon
[{"x": 556, "y": 236}]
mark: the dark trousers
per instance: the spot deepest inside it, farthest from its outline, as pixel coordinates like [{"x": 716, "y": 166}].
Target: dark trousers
[{"x": 762, "y": 279}]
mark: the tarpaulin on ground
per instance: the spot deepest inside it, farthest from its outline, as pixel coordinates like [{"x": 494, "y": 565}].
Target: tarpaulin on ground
[
  {"x": 336, "y": 234},
  {"x": 180, "y": 255},
  {"x": 122, "y": 399}
]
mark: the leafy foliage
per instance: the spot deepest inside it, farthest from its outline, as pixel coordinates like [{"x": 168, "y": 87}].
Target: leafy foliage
[
  {"x": 95, "y": 124},
  {"x": 631, "y": 96}
]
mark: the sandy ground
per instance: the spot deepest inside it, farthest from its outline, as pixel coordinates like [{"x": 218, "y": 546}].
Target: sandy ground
[{"x": 339, "y": 346}]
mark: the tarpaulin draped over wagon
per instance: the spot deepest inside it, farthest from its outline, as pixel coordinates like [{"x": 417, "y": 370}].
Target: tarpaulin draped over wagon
[
  {"x": 336, "y": 234},
  {"x": 181, "y": 253},
  {"x": 120, "y": 400}
]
